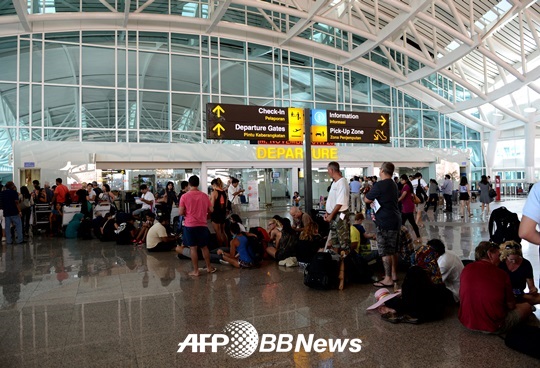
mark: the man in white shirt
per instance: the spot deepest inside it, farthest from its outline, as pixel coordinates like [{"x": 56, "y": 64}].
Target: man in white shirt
[
  {"x": 450, "y": 265},
  {"x": 157, "y": 239},
  {"x": 234, "y": 191},
  {"x": 147, "y": 199},
  {"x": 337, "y": 211}
]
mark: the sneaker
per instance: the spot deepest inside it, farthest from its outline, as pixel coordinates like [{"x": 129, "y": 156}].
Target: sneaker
[
  {"x": 224, "y": 262},
  {"x": 391, "y": 317},
  {"x": 408, "y": 319},
  {"x": 291, "y": 262}
]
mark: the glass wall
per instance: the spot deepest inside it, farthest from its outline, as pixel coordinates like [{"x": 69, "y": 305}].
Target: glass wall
[{"x": 136, "y": 86}]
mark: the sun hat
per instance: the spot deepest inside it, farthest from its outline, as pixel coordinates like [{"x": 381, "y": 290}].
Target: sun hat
[{"x": 382, "y": 295}]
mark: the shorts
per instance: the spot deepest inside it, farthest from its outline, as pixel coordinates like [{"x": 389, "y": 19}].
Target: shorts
[
  {"x": 197, "y": 236},
  {"x": 218, "y": 218},
  {"x": 512, "y": 320},
  {"x": 387, "y": 241},
  {"x": 464, "y": 196},
  {"x": 340, "y": 232}
]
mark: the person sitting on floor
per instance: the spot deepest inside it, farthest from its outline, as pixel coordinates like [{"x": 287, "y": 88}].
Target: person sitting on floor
[
  {"x": 309, "y": 243},
  {"x": 140, "y": 238},
  {"x": 520, "y": 271},
  {"x": 157, "y": 239},
  {"x": 236, "y": 219},
  {"x": 487, "y": 302},
  {"x": 286, "y": 242},
  {"x": 238, "y": 255},
  {"x": 450, "y": 266}
]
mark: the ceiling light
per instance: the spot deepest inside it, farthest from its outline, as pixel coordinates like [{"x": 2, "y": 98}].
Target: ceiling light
[{"x": 529, "y": 109}]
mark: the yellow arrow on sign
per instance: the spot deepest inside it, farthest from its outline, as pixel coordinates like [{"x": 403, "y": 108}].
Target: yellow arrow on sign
[
  {"x": 382, "y": 120},
  {"x": 218, "y": 110},
  {"x": 219, "y": 129}
]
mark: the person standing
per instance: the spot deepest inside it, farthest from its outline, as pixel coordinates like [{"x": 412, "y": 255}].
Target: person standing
[
  {"x": 464, "y": 197},
  {"x": 234, "y": 191},
  {"x": 218, "y": 199},
  {"x": 61, "y": 193},
  {"x": 447, "y": 188},
  {"x": 337, "y": 211},
  {"x": 387, "y": 221},
  {"x": 407, "y": 206},
  {"x": 531, "y": 217},
  {"x": 12, "y": 212},
  {"x": 485, "y": 199},
  {"x": 195, "y": 207},
  {"x": 355, "y": 195}
]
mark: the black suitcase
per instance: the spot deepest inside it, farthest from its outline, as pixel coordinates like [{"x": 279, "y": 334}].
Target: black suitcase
[{"x": 322, "y": 272}]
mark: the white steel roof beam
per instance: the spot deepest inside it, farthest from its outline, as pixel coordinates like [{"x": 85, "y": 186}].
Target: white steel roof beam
[
  {"x": 21, "y": 7},
  {"x": 392, "y": 29},
  {"x": 304, "y": 22},
  {"x": 503, "y": 91},
  {"x": 127, "y": 5},
  {"x": 217, "y": 14}
]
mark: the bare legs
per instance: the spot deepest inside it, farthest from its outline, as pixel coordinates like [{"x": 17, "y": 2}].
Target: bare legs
[
  {"x": 195, "y": 260},
  {"x": 390, "y": 272},
  {"x": 219, "y": 229}
]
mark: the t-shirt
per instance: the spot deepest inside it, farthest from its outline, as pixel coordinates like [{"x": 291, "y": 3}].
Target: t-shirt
[
  {"x": 149, "y": 197},
  {"x": 407, "y": 203},
  {"x": 9, "y": 196},
  {"x": 61, "y": 191},
  {"x": 484, "y": 293},
  {"x": 532, "y": 206},
  {"x": 414, "y": 183},
  {"x": 388, "y": 216},
  {"x": 230, "y": 192},
  {"x": 339, "y": 194},
  {"x": 362, "y": 230},
  {"x": 355, "y": 236},
  {"x": 197, "y": 206},
  {"x": 242, "y": 249},
  {"x": 519, "y": 276},
  {"x": 451, "y": 267},
  {"x": 355, "y": 186},
  {"x": 154, "y": 234}
]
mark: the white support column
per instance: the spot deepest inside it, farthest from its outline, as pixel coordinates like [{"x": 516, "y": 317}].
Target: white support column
[
  {"x": 491, "y": 148},
  {"x": 530, "y": 138},
  {"x": 294, "y": 181}
]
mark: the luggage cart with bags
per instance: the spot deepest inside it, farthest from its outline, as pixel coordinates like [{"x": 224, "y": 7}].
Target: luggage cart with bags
[{"x": 40, "y": 217}]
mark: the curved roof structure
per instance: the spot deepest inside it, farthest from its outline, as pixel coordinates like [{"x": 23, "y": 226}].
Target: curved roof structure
[{"x": 484, "y": 53}]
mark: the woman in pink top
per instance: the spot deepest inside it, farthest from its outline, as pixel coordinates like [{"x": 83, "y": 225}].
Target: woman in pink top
[{"x": 407, "y": 206}]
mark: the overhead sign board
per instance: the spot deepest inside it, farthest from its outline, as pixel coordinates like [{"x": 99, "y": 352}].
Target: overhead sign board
[
  {"x": 240, "y": 122},
  {"x": 349, "y": 127}
]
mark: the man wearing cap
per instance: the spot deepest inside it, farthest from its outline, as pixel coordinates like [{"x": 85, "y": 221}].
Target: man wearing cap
[{"x": 487, "y": 300}]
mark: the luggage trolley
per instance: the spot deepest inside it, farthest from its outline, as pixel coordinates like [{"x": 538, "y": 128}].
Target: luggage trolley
[{"x": 40, "y": 217}]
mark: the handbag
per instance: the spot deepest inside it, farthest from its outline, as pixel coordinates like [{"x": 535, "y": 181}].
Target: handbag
[
  {"x": 492, "y": 193},
  {"x": 415, "y": 198}
]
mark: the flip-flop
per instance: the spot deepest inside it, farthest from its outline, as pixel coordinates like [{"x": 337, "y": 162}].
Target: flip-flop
[
  {"x": 380, "y": 284},
  {"x": 212, "y": 270}
]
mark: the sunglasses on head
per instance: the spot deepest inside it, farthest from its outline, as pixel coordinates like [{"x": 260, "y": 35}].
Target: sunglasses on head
[{"x": 513, "y": 246}]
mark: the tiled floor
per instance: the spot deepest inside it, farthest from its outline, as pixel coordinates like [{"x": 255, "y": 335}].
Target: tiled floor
[{"x": 68, "y": 303}]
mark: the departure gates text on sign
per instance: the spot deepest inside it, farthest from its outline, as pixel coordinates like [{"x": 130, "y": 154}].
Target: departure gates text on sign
[{"x": 239, "y": 122}]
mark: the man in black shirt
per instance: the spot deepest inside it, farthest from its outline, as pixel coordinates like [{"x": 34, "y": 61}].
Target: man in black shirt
[
  {"x": 387, "y": 220},
  {"x": 12, "y": 212}
]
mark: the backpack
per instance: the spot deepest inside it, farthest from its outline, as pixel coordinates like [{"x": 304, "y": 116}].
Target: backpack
[
  {"x": 357, "y": 269},
  {"x": 85, "y": 229},
  {"x": 255, "y": 248},
  {"x": 503, "y": 226},
  {"x": 421, "y": 193},
  {"x": 322, "y": 272}
]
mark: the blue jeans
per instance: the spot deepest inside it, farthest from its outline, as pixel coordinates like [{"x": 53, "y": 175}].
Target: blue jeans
[{"x": 18, "y": 228}]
